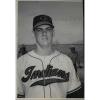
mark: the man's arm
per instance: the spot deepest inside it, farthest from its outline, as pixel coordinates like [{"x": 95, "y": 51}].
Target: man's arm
[
  {"x": 74, "y": 84},
  {"x": 77, "y": 94},
  {"x": 20, "y": 87},
  {"x": 20, "y": 96}
]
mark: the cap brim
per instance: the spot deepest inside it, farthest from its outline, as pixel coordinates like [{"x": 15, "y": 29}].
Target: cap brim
[{"x": 43, "y": 23}]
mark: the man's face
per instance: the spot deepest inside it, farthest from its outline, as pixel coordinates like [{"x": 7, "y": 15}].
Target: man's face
[{"x": 44, "y": 35}]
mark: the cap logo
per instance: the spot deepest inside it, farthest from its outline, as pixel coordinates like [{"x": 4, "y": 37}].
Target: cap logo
[{"x": 43, "y": 18}]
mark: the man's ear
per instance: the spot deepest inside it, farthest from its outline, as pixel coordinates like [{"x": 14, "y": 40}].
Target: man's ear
[
  {"x": 53, "y": 33},
  {"x": 54, "y": 36},
  {"x": 33, "y": 32}
]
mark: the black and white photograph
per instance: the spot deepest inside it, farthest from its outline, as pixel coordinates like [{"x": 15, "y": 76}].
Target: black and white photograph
[{"x": 50, "y": 49}]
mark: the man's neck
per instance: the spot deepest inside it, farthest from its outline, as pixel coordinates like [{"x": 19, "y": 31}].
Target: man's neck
[{"x": 44, "y": 51}]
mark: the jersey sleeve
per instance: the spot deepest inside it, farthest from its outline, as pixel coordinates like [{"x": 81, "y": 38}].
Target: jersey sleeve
[
  {"x": 20, "y": 86},
  {"x": 74, "y": 83}
]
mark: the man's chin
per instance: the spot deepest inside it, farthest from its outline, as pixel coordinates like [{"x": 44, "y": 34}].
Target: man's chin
[{"x": 45, "y": 45}]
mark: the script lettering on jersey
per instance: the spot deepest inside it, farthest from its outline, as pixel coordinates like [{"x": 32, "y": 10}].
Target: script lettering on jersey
[{"x": 30, "y": 73}]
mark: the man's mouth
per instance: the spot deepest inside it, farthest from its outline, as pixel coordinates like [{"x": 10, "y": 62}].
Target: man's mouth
[{"x": 44, "y": 38}]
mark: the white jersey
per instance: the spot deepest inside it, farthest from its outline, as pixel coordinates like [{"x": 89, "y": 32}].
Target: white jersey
[{"x": 50, "y": 76}]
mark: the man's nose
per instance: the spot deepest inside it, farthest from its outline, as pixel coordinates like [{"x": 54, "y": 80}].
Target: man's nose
[{"x": 44, "y": 32}]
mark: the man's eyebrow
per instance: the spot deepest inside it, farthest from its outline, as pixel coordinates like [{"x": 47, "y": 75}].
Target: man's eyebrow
[
  {"x": 49, "y": 27},
  {"x": 44, "y": 28},
  {"x": 38, "y": 28}
]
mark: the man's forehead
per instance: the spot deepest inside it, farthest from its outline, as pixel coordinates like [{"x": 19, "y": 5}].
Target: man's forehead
[{"x": 44, "y": 26}]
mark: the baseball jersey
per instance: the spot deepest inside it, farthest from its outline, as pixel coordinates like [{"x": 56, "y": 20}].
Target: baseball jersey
[{"x": 50, "y": 76}]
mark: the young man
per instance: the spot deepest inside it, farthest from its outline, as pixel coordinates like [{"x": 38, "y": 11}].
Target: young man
[{"x": 45, "y": 72}]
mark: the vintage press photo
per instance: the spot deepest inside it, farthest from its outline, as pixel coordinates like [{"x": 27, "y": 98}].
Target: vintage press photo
[{"x": 50, "y": 49}]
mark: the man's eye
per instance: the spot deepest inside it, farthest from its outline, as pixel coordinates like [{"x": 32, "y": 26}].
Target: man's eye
[
  {"x": 38, "y": 30},
  {"x": 49, "y": 29}
]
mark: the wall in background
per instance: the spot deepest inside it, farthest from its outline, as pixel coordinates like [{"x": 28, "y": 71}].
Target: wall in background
[{"x": 67, "y": 18}]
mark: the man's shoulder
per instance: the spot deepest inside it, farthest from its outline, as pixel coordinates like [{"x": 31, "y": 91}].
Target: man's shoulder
[
  {"x": 64, "y": 55},
  {"x": 25, "y": 56}
]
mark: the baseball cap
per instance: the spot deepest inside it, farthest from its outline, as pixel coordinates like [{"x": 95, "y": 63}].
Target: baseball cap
[{"x": 42, "y": 20}]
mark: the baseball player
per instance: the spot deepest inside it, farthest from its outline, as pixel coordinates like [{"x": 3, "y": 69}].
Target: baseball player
[{"x": 45, "y": 72}]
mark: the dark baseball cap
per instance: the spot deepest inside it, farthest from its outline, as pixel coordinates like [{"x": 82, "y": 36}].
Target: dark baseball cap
[{"x": 42, "y": 20}]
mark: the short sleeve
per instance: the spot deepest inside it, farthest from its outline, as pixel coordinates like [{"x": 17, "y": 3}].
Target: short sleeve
[
  {"x": 74, "y": 83},
  {"x": 20, "y": 87}
]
